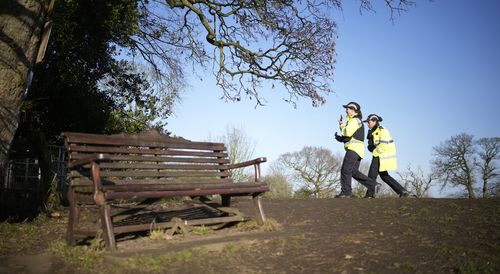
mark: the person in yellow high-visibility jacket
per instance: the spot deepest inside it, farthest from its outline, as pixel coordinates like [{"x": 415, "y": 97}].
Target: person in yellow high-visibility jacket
[
  {"x": 353, "y": 136},
  {"x": 381, "y": 145}
]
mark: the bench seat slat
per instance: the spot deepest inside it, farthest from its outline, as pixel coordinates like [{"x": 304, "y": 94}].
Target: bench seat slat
[
  {"x": 194, "y": 192},
  {"x": 192, "y": 186}
]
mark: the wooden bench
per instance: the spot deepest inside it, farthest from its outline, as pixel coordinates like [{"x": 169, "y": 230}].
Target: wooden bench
[{"x": 108, "y": 169}]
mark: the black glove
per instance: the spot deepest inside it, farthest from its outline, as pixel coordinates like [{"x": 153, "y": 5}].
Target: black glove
[
  {"x": 371, "y": 148},
  {"x": 342, "y": 139},
  {"x": 338, "y": 137}
]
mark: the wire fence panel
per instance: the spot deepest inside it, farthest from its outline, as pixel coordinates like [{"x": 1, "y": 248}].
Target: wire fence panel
[{"x": 25, "y": 174}]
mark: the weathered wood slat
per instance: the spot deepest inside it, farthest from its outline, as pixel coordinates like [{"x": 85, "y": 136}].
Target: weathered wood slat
[
  {"x": 139, "y": 158},
  {"x": 162, "y": 166},
  {"x": 206, "y": 221},
  {"x": 152, "y": 140},
  {"x": 176, "y": 187},
  {"x": 155, "y": 166},
  {"x": 195, "y": 192},
  {"x": 148, "y": 151},
  {"x": 85, "y": 181},
  {"x": 139, "y": 173},
  {"x": 172, "y": 174}
]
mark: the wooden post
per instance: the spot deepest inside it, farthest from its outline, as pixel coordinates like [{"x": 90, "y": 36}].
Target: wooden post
[
  {"x": 72, "y": 218},
  {"x": 259, "y": 211},
  {"x": 107, "y": 227},
  {"x": 226, "y": 200}
]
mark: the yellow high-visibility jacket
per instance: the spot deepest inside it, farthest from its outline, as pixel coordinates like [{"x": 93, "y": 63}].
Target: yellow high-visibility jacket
[
  {"x": 385, "y": 149},
  {"x": 354, "y": 128}
]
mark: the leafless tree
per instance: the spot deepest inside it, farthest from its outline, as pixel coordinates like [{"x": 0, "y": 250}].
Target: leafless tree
[
  {"x": 314, "y": 168},
  {"x": 454, "y": 162},
  {"x": 240, "y": 148},
  {"x": 417, "y": 182},
  {"x": 489, "y": 153}
]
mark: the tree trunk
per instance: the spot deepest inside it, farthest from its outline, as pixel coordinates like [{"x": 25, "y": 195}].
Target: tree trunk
[
  {"x": 470, "y": 188},
  {"x": 21, "y": 23},
  {"x": 485, "y": 188}
]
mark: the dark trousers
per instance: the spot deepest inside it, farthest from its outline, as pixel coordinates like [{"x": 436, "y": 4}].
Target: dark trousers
[
  {"x": 384, "y": 175},
  {"x": 350, "y": 169}
]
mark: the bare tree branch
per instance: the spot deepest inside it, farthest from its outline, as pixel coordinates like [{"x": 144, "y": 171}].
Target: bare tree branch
[
  {"x": 291, "y": 43},
  {"x": 417, "y": 182}
]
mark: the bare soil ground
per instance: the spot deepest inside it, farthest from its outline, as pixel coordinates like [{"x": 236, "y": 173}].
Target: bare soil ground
[{"x": 316, "y": 236}]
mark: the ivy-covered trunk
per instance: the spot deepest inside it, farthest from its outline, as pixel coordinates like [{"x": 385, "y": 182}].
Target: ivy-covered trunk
[{"x": 21, "y": 23}]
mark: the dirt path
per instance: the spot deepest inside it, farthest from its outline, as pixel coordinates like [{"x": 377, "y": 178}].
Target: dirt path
[{"x": 318, "y": 236}]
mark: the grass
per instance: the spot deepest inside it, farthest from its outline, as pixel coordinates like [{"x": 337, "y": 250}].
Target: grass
[
  {"x": 410, "y": 233},
  {"x": 202, "y": 230},
  {"x": 158, "y": 234},
  {"x": 154, "y": 264},
  {"x": 269, "y": 225},
  {"x": 80, "y": 257},
  {"x": 467, "y": 260},
  {"x": 28, "y": 235},
  {"x": 294, "y": 241},
  {"x": 405, "y": 266},
  {"x": 231, "y": 248}
]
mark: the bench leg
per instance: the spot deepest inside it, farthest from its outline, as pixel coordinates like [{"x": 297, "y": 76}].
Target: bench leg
[
  {"x": 107, "y": 227},
  {"x": 74, "y": 214},
  {"x": 259, "y": 211},
  {"x": 226, "y": 200}
]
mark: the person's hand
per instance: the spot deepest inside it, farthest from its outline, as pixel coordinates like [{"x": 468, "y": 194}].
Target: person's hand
[
  {"x": 338, "y": 137},
  {"x": 371, "y": 148},
  {"x": 342, "y": 139}
]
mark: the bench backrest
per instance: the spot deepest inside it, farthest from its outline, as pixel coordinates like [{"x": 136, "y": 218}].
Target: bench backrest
[{"x": 149, "y": 157}]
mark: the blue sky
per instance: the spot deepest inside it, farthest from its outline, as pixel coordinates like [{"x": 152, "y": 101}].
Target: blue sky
[{"x": 432, "y": 73}]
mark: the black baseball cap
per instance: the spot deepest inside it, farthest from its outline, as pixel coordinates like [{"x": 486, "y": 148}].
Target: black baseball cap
[
  {"x": 352, "y": 105},
  {"x": 373, "y": 117}
]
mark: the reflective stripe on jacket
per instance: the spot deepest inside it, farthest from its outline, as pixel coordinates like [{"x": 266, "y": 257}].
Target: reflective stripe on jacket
[
  {"x": 354, "y": 128},
  {"x": 385, "y": 149}
]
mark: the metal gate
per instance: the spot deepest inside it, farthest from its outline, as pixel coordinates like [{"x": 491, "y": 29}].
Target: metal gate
[{"x": 24, "y": 174}]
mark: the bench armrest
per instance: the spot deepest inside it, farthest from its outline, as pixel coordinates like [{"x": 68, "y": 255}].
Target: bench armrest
[
  {"x": 95, "y": 171},
  {"x": 255, "y": 162},
  {"x": 87, "y": 160},
  {"x": 248, "y": 163}
]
